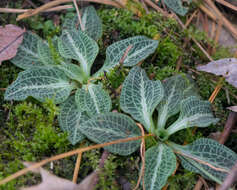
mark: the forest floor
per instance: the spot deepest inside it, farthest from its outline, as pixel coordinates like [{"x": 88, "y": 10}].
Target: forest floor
[{"x": 29, "y": 130}]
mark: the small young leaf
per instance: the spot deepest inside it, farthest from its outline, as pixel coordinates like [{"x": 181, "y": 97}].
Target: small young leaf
[
  {"x": 176, "y": 88},
  {"x": 176, "y": 6},
  {"x": 90, "y": 21},
  {"x": 160, "y": 163},
  {"x": 44, "y": 53},
  {"x": 72, "y": 71},
  {"x": 140, "y": 96},
  {"x": 27, "y": 55},
  {"x": 93, "y": 99},
  {"x": 208, "y": 158},
  {"x": 70, "y": 120},
  {"x": 112, "y": 126},
  {"x": 142, "y": 47},
  {"x": 194, "y": 112},
  {"x": 11, "y": 38},
  {"x": 40, "y": 83},
  {"x": 77, "y": 45}
]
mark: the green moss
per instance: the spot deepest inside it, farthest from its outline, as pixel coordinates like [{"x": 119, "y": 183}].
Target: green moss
[
  {"x": 108, "y": 175},
  {"x": 184, "y": 180},
  {"x": 127, "y": 24},
  {"x": 29, "y": 135},
  {"x": 167, "y": 52}
]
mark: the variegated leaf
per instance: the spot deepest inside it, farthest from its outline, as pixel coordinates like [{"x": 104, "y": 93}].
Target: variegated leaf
[
  {"x": 45, "y": 53},
  {"x": 40, "y": 83},
  {"x": 112, "y": 126},
  {"x": 160, "y": 163},
  {"x": 93, "y": 99},
  {"x": 140, "y": 96},
  {"x": 27, "y": 54},
  {"x": 72, "y": 71},
  {"x": 141, "y": 48},
  {"x": 176, "y": 6},
  {"x": 208, "y": 158},
  {"x": 77, "y": 45},
  {"x": 193, "y": 112},
  {"x": 177, "y": 88},
  {"x": 70, "y": 120},
  {"x": 90, "y": 20}
]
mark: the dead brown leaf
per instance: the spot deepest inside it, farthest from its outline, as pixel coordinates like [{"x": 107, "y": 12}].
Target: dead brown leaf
[
  {"x": 52, "y": 182},
  {"x": 224, "y": 67},
  {"x": 11, "y": 37},
  {"x": 232, "y": 108}
]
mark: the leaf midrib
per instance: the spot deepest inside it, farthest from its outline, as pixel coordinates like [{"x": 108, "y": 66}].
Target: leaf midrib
[{"x": 158, "y": 159}]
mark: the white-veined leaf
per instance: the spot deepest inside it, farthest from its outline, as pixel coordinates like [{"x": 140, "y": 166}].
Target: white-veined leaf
[
  {"x": 176, "y": 6},
  {"x": 112, "y": 126},
  {"x": 177, "y": 88},
  {"x": 70, "y": 120},
  {"x": 40, "y": 83},
  {"x": 77, "y": 45},
  {"x": 90, "y": 21},
  {"x": 142, "y": 47},
  {"x": 160, "y": 163},
  {"x": 208, "y": 158},
  {"x": 140, "y": 96},
  {"x": 193, "y": 112},
  {"x": 45, "y": 53},
  {"x": 72, "y": 71},
  {"x": 93, "y": 99},
  {"x": 27, "y": 54}
]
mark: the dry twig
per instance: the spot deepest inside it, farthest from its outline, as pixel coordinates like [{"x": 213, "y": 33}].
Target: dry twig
[
  {"x": 58, "y": 2},
  {"x": 142, "y": 152},
  {"x": 230, "y": 179},
  {"x": 58, "y": 8},
  {"x": 77, "y": 167},
  {"x": 78, "y": 15},
  {"x": 67, "y": 154}
]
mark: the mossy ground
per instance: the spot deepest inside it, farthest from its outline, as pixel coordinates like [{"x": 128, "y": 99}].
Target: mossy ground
[{"x": 29, "y": 130}]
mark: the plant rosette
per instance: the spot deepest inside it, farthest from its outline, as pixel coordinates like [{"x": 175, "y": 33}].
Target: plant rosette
[
  {"x": 60, "y": 69},
  {"x": 140, "y": 97}
]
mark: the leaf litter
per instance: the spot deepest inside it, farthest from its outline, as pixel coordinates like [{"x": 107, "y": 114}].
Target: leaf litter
[{"x": 11, "y": 37}]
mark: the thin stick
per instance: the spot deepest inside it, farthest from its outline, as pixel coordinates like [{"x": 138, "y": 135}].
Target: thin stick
[
  {"x": 76, "y": 170},
  {"x": 157, "y": 8},
  {"x": 78, "y": 15},
  {"x": 230, "y": 179},
  {"x": 195, "y": 41},
  {"x": 226, "y": 22},
  {"x": 58, "y": 8},
  {"x": 217, "y": 89},
  {"x": 125, "y": 55},
  {"x": 142, "y": 152},
  {"x": 209, "y": 13},
  {"x": 227, "y": 4},
  {"x": 229, "y": 125},
  {"x": 191, "y": 18},
  {"x": 218, "y": 32},
  {"x": 67, "y": 154},
  {"x": 198, "y": 185},
  {"x": 58, "y": 2}
]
